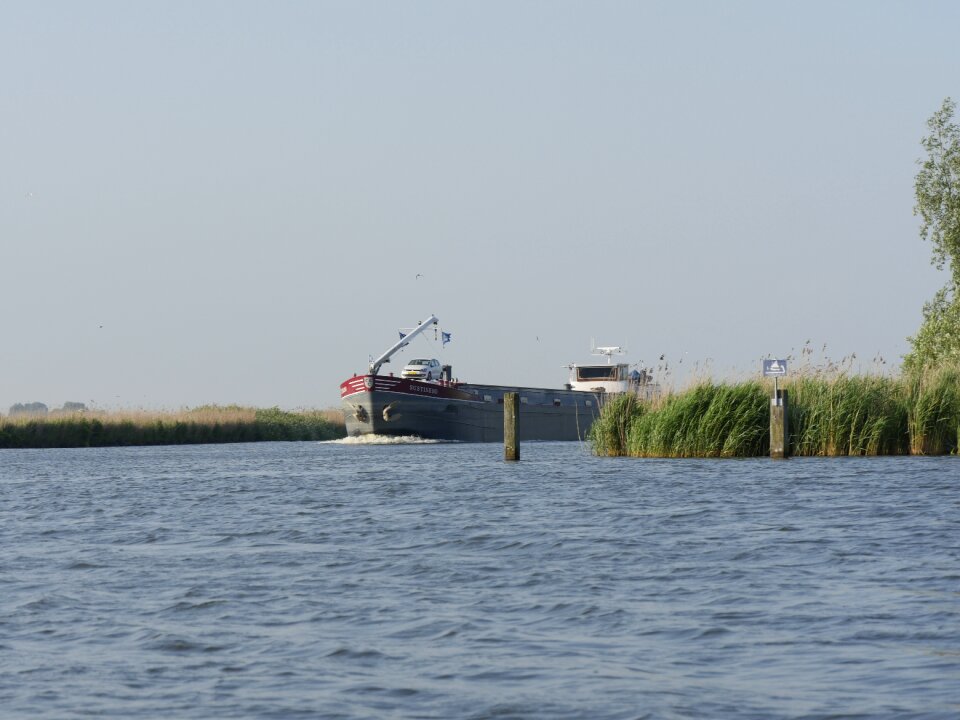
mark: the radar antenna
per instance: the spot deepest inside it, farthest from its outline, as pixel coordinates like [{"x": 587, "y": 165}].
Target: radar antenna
[{"x": 609, "y": 351}]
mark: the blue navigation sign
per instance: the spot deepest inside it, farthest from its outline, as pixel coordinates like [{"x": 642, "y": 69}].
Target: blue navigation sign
[{"x": 774, "y": 368}]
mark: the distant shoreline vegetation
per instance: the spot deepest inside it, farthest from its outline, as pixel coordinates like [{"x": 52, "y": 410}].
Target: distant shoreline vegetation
[
  {"x": 32, "y": 426},
  {"x": 830, "y": 414}
]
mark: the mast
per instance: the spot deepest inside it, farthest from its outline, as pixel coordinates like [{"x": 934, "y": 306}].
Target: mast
[{"x": 404, "y": 341}]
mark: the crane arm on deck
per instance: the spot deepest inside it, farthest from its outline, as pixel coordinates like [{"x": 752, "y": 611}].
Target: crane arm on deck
[{"x": 404, "y": 341}]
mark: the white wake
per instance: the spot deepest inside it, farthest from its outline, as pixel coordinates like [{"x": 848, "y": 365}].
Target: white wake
[{"x": 385, "y": 440}]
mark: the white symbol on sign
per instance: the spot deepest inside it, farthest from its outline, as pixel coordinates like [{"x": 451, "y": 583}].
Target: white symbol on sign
[{"x": 774, "y": 368}]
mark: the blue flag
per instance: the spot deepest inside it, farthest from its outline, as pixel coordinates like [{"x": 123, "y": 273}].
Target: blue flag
[
  {"x": 445, "y": 336},
  {"x": 402, "y": 335}
]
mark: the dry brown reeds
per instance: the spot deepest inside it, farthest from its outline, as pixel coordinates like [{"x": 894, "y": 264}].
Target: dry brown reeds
[{"x": 206, "y": 424}]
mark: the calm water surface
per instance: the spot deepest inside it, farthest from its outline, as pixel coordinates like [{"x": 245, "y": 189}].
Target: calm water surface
[{"x": 436, "y": 581}]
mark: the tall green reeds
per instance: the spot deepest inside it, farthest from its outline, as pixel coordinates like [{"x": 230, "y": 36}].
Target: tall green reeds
[
  {"x": 608, "y": 434},
  {"x": 933, "y": 411},
  {"x": 830, "y": 414},
  {"x": 847, "y": 415},
  {"x": 707, "y": 420}
]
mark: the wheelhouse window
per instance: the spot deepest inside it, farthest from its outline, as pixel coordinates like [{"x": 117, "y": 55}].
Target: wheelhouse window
[{"x": 598, "y": 372}]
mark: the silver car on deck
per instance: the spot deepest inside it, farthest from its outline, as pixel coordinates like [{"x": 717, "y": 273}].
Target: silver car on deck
[{"x": 422, "y": 369}]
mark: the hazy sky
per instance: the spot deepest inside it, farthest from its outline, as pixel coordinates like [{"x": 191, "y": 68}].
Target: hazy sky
[{"x": 230, "y": 202}]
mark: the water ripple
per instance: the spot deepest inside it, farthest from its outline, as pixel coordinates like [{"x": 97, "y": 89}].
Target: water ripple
[{"x": 403, "y": 579}]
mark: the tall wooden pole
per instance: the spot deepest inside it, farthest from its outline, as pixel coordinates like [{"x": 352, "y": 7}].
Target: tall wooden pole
[
  {"x": 779, "y": 432},
  {"x": 511, "y": 417}
]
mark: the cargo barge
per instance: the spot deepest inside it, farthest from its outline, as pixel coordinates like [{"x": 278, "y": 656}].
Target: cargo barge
[{"x": 426, "y": 402}]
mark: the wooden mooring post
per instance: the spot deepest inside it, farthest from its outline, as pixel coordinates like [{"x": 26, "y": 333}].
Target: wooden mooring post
[
  {"x": 511, "y": 418},
  {"x": 779, "y": 431}
]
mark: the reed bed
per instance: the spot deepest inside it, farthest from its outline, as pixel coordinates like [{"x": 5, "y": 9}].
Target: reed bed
[
  {"x": 933, "y": 413},
  {"x": 706, "y": 420},
  {"x": 208, "y": 424},
  {"x": 833, "y": 413}
]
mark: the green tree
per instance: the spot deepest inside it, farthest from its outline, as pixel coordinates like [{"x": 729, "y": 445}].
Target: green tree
[
  {"x": 937, "y": 342},
  {"x": 937, "y": 191}
]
